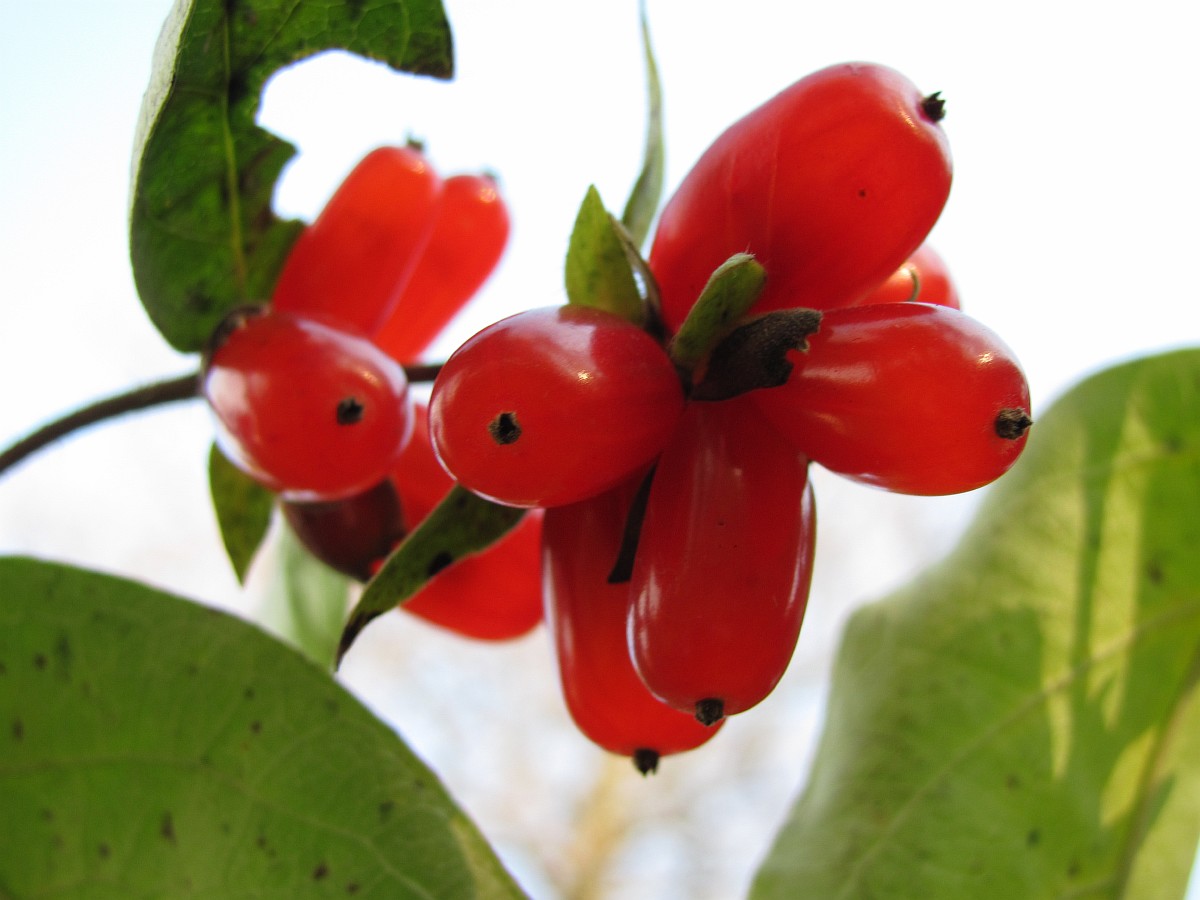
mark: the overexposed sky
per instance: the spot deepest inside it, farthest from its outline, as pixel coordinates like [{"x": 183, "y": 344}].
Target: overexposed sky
[{"x": 1071, "y": 231}]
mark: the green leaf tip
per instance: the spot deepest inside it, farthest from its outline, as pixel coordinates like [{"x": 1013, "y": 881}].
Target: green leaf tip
[
  {"x": 203, "y": 237},
  {"x": 726, "y": 298},
  {"x": 599, "y": 272},
  {"x": 1022, "y": 719},
  {"x": 460, "y": 525}
]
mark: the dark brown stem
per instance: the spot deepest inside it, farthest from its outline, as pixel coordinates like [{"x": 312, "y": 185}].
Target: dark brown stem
[{"x": 184, "y": 387}]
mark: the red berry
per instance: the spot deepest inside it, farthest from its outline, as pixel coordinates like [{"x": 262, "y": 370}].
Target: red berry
[
  {"x": 910, "y": 397},
  {"x": 351, "y": 265},
  {"x": 924, "y": 278},
  {"x": 587, "y": 619},
  {"x": 469, "y": 235},
  {"x": 723, "y": 566},
  {"x": 831, "y": 185},
  {"x": 351, "y": 535},
  {"x": 308, "y": 410},
  {"x": 553, "y": 405}
]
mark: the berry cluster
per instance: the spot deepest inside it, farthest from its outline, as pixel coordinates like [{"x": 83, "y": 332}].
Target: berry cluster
[
  {"x": 310, "y": 395},
  {"x": 671, "y": 454}
]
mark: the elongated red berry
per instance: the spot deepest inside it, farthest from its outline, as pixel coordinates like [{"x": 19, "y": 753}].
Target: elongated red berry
[
  {"x": 351, "y": 264},
  {"x": 468, "y": 238},
  {"x": 909, "y": 397},
  {"x": 831, "y": 185},
  {"x": 723, "y": 565},
  {"x": 587, "y": 619},
  {"x": 310, "y": 411},
  {"x": 553, "y": 405}
]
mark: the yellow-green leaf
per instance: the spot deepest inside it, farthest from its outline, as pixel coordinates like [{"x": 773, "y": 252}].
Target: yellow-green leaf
[
  {"x": 151, "y": 747},
  {"x": 1022, "y": 720}
]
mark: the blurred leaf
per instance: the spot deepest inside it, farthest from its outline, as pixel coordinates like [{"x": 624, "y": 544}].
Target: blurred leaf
[
  {"x": 155, "y": 748},
  {"x": 647, "y": 190},
  {"x": 599, "y": 273},
  {"x": 203, "y": 238},
  {"x": 460, "y": 525},
  {"x": 305, "y": 600},
  {"x": 1022, "y": 720},
  {"x": 243, "y": 508}
]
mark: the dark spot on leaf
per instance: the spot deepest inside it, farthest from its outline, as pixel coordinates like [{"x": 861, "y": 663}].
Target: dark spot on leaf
[
  {"x": 192, "y": 669},
  {"x": 166, "y": 828},
  {"x": 47, "y": 815},
  {"x": 1012, "y": 782},
  {"x": 248, "y": 693},
  {"x": 439, "y": 562},
  {"x": 1154, "y": 572},
  {"x": 386, "y": 808},
  {"x": 18, "y": 730},
  {"x": 104, "y": 850},
  {"x": 1172, "y": 444},
  {"x": 350, "y": 411},
  {"x": 239, "y": 87},
  {"x": 3, "y": 669},
  {"x": 1074, "y": 869},
  {"x": 1033, "y": 838},
  {"x": 256, "y": 726},
  {"x": 505, "y": 429},
  {"x": 352, "y": 887},
  {"x": 39, "y": 661},
  {"x": 321, "y": 871}
]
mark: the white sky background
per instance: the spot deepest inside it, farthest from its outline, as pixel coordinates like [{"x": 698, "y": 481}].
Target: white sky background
[{"x": 1071, "y": 231}]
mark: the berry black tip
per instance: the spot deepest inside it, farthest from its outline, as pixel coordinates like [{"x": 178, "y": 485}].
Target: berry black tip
[
  {"x": 1012, "y": 423},
  {"x": 645, "y": 760},
  {"x": 710, "y": 710},
  {"x": 505, "y": 429},
  {"x": 934, "y": 107},
  {"x": 350, "y": 411}
]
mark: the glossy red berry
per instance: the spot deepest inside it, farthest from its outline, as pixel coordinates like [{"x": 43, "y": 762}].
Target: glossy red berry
[
  {"x": 553, "y": 405},
  {"x": 910, "y": 397},
  {"x": 924, "y": 278},
  {"x": 351, "y": 264},
  {"x": 831, "y": 185},
  {"x": 586, "y": 616},
  {"x": 723, "y": 565},
  {"x": 310, "y": 411},
  {"x": 351, "y": 535},
  {"x": 469, "y": 234}
]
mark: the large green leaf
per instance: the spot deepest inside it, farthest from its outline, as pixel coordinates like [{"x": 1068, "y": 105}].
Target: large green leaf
[
  {"x": 203, "y": 238},
  {"x": 155, "y": 748},
  {"x": 1021, "y": 721}
]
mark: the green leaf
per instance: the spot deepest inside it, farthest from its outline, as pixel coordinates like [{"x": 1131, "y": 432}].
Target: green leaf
[
  {"x": 203, "y": 238},
  {"x": 599, "y": 273},
  {"x": 155, "y": 748},
  {"x": 647, "y": 190},
  {"x": 1022, "y": 720},
  {"x": 729, "y": 293},
  {"x": 305, "y": 601},
  {"x": 243, "y": 508},
  {"x": 460, "y": 525}
]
